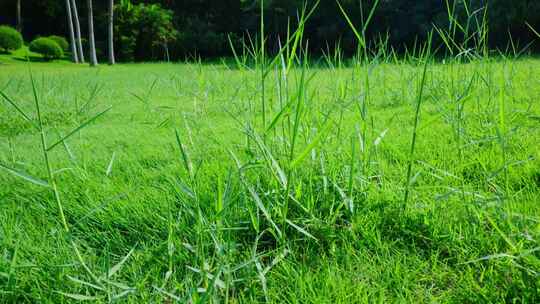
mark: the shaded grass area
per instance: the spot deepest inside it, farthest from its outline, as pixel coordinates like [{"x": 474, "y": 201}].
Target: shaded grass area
[
  {"x": 234, "y": 215},
  {"x": 25, "y": 55}
]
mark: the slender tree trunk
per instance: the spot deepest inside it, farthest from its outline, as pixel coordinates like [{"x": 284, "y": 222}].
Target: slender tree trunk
[
  {"x": 91, "y": 41},
  {"x": 19, "y": 18},
  {"x": 74, "y": 56},
  {"x": 166, "y": 47},
  {"x": 77, "y": 30},
  {"x": 111, "y": 32}
]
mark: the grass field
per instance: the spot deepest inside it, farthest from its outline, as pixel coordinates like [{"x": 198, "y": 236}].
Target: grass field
[{"x": 355, "y": 184}]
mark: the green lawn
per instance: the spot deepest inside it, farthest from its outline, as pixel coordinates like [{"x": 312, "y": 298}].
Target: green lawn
[{"x": 304, "y": 204}]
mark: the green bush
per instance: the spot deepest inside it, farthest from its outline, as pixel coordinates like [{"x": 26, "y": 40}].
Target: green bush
[
  {"x": 62, "y": 42},
  {"x": 10, "y": 39},
  {"x": 46, "y": 47}
]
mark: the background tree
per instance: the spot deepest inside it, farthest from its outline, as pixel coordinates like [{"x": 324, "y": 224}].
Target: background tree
[
  {"x": 202, "y": 27},
  {"x": 91, "y": 41},
  {"x": 143, "y": 31},
  {"x": 19, "y": 16},
  {"x": 72, "y": 43},
  {"x": 111, "y": 32},
  {"x": 77, "y": 30}
]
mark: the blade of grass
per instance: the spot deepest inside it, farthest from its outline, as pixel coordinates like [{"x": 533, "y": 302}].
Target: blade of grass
[
  {"x": 25, "y": 176},
  {"x": 258, "y": 202},
  {"x": 77, "y": 129},
  {"x": 80, "y": 297},
  {"x": 110, "y": 166},
  {"x": 533, "y": 30},
  {"x": 185, "y": 156},
  {"x": 301, "y": 230},
  {"x": 415, "y": 129},
  {"x": 351, "y": 25},
  {"x": 118, "y": 266},
  {"x": 10, "y": 101},
  {"x": 312, "y": 145}
]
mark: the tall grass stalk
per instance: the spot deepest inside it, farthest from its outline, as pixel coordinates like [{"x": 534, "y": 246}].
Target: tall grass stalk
[
  {"x": 45, "y": 153},
  {"x": 418, "y": 105},
  {"x": 263, "y": 66}
]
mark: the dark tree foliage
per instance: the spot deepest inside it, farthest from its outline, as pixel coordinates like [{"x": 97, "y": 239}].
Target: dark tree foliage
[
  {"x": 143, "y": 31},
  {"x": 507, "y": 18},
  {"x": 202, "y": 27}
]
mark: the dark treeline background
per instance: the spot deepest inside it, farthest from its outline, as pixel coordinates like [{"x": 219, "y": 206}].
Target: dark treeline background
[{"x": 179, "y": 29}]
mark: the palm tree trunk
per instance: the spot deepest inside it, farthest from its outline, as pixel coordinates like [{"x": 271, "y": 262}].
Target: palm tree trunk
[
  {"x": 111, "y": 32},
  {"x": 77, "y": 30},
  {"x": 19, "y": 18},
  {"x": 91, "y": 41},
  {"x": 74, "y": 56}
]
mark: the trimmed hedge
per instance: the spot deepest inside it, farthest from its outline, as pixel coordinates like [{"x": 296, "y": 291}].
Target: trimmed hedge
[
  {"x": 10, "y": 39},
  {"x": 48, "y": 48},
  {"x": 62, "y": 42}
]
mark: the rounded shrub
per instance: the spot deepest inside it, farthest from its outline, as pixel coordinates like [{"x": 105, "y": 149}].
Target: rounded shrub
[
  {"x": 10, "y": 39},
  {"x": 48, "y": 48},
  {"x": 62, "y": 42}
]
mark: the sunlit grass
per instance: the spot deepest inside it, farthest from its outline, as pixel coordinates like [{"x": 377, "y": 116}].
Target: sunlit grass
[{"x": 239, "y": 213}]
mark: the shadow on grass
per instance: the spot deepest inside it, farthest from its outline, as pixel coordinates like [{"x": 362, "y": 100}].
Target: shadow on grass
[
  {"x": 37, "y": 58},
  {"x": 30, "y": 59}
]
